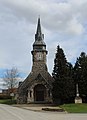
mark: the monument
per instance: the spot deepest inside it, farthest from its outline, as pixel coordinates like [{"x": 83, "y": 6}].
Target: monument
[{"x": 78, "y": 99}]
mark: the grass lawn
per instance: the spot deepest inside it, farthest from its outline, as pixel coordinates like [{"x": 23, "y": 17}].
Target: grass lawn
[
  {"x": 7, "y": 101},
  {"x": 75, "y": 108}
]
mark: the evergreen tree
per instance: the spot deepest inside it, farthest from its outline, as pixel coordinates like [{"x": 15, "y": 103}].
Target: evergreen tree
[
  {"x": 80, "y": 74},
  {"x": 63, "y": 86}
]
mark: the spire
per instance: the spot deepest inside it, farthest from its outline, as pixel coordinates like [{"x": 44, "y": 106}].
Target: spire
[
  {"x": 39, "y": 27},
  {"x": 39, "y": 36},
  {"x": 39, "y": 43}
]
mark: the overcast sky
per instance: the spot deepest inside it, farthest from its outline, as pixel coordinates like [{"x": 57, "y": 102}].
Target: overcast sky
[{"x": 64, "y": 23}]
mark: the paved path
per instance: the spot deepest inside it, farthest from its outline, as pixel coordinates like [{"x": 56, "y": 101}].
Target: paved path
[
  {"x": 14, "y": 113},
  {"x": 36, "y": 107}
]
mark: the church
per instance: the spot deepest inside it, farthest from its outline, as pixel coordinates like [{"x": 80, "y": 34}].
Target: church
[{"x": 37, "y": 87}]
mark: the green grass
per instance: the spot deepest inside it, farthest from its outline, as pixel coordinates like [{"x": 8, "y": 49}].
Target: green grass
[
  {"x": 75, "y": 108},
  {"x": 7, "y": 101}
]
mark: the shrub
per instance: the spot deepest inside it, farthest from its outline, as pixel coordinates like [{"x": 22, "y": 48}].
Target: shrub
[{"x": 5, "y": 96}]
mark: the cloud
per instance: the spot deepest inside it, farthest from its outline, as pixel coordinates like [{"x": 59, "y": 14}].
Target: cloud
[
  {"x": 74, "y": 27},
  {"x": 63, "y": 22},
  {"x": 57, "y": 16}
]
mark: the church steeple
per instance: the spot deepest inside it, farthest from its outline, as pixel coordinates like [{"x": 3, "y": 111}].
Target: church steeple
[
  {"x": 38, "y": 32},
  {"x": 39, "y": 51},
  {"x": 39, "y": 37}
]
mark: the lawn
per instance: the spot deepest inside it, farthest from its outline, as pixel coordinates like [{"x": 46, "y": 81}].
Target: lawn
[
  {"x": 75, "y": 108},
  {"x": 7, "y": 101}
]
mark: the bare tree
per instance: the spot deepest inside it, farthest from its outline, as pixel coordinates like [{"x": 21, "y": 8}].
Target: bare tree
[{"x": 11, "y": 78}]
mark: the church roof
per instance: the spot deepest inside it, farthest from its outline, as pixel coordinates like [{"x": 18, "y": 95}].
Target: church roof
[{"x": 33, "y": 76}]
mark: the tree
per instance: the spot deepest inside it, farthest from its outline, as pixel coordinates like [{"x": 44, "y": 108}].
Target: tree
[
  {"x": 80, "y": 74},
  {"x": 11, "y": 79},
  {"x": 63, "y": 86}
]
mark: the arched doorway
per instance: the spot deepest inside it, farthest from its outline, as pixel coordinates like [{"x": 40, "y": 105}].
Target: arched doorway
[{"x": 39, "y": 92}]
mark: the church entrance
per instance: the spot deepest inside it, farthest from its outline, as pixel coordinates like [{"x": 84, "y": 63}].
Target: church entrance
[{"x": 39, "y": 93}]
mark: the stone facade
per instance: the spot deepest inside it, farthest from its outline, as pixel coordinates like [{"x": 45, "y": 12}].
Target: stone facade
[{"x": 37, "y": 87}]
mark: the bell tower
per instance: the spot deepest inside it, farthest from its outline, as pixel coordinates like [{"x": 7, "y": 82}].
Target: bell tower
[{"x": 39, "y": 51}]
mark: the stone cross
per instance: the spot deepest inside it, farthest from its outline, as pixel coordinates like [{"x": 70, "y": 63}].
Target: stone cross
[{"x": 77, "y": 90}]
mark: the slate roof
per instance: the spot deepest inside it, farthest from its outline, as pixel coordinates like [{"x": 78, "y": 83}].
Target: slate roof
[{"x": 33, "y": 75}]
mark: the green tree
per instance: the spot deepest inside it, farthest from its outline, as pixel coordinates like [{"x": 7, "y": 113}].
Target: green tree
[
  {"x": 80, "y": 74},
  {"x": 63, "y": 86}
]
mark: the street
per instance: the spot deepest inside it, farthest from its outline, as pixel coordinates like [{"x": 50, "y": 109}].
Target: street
[{"x": 13, "y": 113}]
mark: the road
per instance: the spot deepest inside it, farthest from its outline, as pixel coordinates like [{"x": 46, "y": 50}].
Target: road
[{"x": 13, "y": 113}]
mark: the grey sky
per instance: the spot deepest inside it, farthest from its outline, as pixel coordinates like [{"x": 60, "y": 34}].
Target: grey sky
[{"x": 63, "y": 22}]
